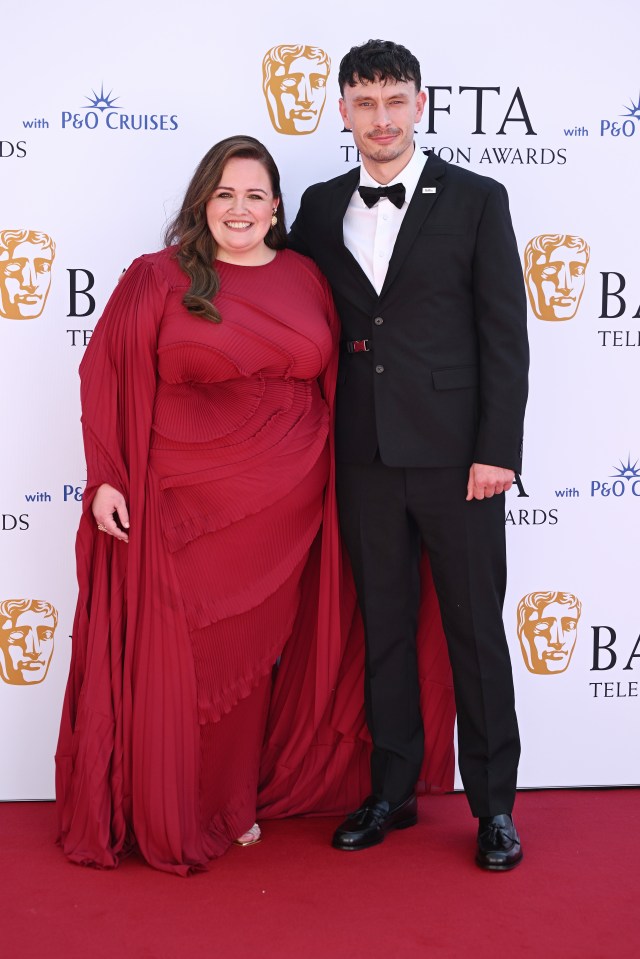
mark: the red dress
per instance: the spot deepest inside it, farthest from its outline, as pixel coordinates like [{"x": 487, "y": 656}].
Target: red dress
[{"x": 218, "y": 435}]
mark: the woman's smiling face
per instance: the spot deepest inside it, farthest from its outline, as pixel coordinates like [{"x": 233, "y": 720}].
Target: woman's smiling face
[{"x": 239, "y": 212}]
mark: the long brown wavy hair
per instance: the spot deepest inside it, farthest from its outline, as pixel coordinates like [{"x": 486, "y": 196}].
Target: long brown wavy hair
[{"x": 190, "y": 233}]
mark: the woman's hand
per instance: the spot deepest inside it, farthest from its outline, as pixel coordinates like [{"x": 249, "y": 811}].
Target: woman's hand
[{"x": 106, "y": 502}]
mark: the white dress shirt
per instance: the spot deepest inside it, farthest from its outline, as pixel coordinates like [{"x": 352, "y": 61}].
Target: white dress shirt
[{"x": 370, "y": 233}]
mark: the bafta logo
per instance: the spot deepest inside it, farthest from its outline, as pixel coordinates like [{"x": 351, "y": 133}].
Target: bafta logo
[
  {"x": 547, "y": 630},
  {"x": 27, "y": 629},
  {"x": 555, "y": 267},
  {"x": 26, "y": 257},
  {"x": 294, "y": 81}
]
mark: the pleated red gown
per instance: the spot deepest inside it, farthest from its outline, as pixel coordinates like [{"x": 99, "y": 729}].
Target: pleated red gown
[{"x": 218, "y": 435}]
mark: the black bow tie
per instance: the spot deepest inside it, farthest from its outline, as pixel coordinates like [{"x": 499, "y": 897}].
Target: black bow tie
[{"x": 371, "y": 194}]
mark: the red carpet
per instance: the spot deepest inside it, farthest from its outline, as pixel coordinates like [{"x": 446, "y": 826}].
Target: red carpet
[{"x": 576, "y": 894}]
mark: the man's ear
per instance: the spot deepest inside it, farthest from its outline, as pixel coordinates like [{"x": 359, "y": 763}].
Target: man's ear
[{"x": 343, "y": 113}]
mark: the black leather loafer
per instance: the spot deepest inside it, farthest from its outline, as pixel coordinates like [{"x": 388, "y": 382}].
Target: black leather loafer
[
  {"x": 498, "y": 843},
  {"x": 368, "y": 825}
]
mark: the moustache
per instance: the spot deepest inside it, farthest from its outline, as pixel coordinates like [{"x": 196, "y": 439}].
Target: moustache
[{"x": 391, "y": 131}]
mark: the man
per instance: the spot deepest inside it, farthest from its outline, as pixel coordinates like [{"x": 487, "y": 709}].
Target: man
[
  {"x": 25, "y": 273},
  {"x": 555, "y": 268},
  {"x": 27, "y": 629},
  {"x": 295, "y": 86},
  {"x": 547, "y": 630},
  {"x": 430, "y": 403}
]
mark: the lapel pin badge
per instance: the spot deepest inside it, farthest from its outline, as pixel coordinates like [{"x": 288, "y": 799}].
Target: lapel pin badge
[{"x": 428, "y": 189}]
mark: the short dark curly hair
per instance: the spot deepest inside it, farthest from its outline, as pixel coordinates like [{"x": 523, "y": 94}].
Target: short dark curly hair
[{"x": 378, "y": 60}]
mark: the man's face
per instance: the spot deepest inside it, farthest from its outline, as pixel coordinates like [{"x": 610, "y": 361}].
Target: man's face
[
  {"x": 26, "y": 648},
  {"x": 548, "y": 638},
  {"x": 299, "y": 90},
  {"x": 25, "y": 277},
  {"x": 382, "y": 117},
  {"x": 556, "y": 282}
]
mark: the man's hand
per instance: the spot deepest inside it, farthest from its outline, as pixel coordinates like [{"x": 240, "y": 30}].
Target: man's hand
[
  {"x": 485, "y": 480},
  {"x": 106, "y": 502}
]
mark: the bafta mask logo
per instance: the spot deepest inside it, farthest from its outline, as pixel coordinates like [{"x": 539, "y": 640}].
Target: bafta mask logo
[
  {"x": 294, "y": 81},
  {"x": 26, "y": 257},
  {"x": 555, "y": 267},
  {"x": 27, "y": 629},
  {"x": 547, "y": 630}
]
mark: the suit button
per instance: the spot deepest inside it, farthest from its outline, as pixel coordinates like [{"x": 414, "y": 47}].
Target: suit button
[
  {"x": 378, "y": 321},
  {"x": 379, "y": 368}
]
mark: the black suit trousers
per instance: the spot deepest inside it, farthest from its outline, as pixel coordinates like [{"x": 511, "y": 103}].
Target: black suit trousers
[{"x": 387, "y": 516}]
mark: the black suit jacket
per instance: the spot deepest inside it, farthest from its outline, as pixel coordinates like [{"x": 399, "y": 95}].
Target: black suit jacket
[{"x": 445, "y": 384}]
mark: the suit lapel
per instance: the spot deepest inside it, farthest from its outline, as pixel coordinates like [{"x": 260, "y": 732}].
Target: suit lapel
[{"x": 419, "y": 209}]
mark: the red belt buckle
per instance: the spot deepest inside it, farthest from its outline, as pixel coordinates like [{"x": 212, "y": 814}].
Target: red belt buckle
[{"x": 359, "y": 346}]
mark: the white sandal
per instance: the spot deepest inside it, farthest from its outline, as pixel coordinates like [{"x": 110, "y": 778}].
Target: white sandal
[{"x": 250, "y": 837}]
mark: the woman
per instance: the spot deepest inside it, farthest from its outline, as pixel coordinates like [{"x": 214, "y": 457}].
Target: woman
[
  {"x": 205, "y": 392},
  {"x": 208, "y": 547}
]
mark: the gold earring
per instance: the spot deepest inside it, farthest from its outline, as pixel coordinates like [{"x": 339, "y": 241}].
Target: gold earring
[{"x": 274, "y": 218}]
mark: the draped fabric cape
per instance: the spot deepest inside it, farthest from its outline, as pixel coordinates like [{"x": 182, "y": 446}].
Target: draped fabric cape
[{"x": 128, "y": 752}]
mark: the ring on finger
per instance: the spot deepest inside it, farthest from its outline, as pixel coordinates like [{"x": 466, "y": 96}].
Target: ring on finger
[{"x": 103, "y": 529}]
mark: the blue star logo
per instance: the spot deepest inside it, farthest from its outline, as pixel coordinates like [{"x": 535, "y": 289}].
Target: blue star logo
[
  {"x": 102, "y": 101},
  {"x": 633, "y": 110},
  {"x": 627, "y": 470}
]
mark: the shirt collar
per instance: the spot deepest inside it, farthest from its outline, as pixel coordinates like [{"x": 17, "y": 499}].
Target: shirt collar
[{"x": 409, "y": 175}]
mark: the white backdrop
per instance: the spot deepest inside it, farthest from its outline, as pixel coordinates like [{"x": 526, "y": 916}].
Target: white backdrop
[{"x": 559, "y": 124}]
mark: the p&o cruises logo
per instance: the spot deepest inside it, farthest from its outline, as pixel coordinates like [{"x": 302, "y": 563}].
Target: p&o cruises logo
[
  {"x": 626, "y": 125},
  {"x": 620, "y": 126},
  {"x": 626, "y": 482},
  {"x": 103, "y": 110}
]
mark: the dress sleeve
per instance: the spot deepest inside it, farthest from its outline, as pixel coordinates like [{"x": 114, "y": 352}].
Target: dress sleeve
[{"x": 118, "y": 375}]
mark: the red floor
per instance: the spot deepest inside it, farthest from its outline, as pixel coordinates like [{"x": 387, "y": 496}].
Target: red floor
[{"x": 577, "y": 893}]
